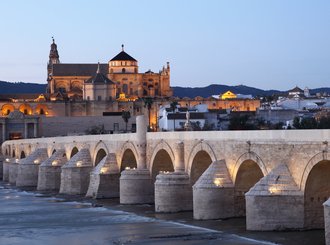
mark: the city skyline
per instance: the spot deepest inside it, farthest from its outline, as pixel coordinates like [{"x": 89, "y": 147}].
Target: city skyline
[{"x": 273, "y": 44}]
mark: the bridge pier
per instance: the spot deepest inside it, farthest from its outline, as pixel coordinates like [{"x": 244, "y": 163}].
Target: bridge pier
[
  {"x": 275, "y": 203},
  {"x": 173, "y": 191},
  {"x": 13, "y": 167},
  {"x": 28, "y": 168},
  {"x": 6, "y": 165},
  {"x": 326, "y": 206},
  {"x": 75, "y": 173},
  {"x": 104, "y": 179},
  {"x": 136, "y": 186},
  {"x": 50, "y": 171},
  {"x": 213, "y": 193}
]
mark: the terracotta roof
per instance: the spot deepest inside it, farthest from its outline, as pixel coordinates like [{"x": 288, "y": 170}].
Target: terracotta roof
[
  {"x": 123, "y": 56},
  {"x": 99, "y": 78},
  {"x": 78, "y": 69}
]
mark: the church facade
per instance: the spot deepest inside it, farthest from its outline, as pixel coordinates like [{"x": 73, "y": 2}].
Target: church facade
[{"x": 105, "y": 82}]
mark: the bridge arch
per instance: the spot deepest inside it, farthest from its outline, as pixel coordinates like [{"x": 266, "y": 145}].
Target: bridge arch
[
  {"x": 162, "y": 159},
  {"x": 128, "y": 156},
  {"x": 248, "y": 170},
  {"x": 73, "y": 151},
  {"x": 245, "y": 157},
  {"x": 315, "y": 183},
  {"x": 128, "y": 159},
  {"x": 99, "y": 152},
  {"x": 200, "y": 158}
]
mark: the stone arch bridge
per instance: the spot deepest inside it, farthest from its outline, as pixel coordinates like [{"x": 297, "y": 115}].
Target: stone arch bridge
[{"x": 278, "y": 179}]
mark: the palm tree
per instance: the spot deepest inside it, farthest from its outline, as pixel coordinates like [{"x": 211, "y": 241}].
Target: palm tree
[
  {"x": 126, "y": 115},
  {"x": 173, "y": 107},
  {"x": 148, "y": 103}
]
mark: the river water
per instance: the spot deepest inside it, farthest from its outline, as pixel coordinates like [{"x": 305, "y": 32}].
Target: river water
[{"x": 30, "y": 217}]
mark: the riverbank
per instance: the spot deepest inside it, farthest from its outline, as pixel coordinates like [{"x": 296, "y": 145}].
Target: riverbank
[{"x": 31, "y": 216}]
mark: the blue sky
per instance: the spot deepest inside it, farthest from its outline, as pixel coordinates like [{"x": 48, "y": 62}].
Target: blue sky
[{"x": 262, "y": 43}]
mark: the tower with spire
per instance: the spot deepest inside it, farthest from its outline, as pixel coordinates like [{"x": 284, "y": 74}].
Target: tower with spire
[{"x": 54, "y": 58}]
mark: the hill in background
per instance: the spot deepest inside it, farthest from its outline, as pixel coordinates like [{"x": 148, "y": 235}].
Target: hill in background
[
  {"x": 213, "y": 89},
  {"x": 22, "y": 88}
]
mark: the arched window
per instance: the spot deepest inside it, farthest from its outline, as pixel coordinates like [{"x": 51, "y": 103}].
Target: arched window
[{"x": 123, "y": 70}]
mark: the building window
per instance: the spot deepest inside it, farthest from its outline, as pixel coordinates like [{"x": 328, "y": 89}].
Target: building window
[
  {"x": 41, "y": 112},
  {"x": 99, "y": 98},
  {"x": 88, "y": 98},
  {"x": 25, "y": 111},
  {"x": 123, "y": 70},
  {"x": 131, "y": 91}
]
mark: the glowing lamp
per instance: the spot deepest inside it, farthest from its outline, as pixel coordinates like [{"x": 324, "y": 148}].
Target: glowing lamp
[
  {"x": 218, "y": 182},
  {"x": 54, "y": 163},
  {"x": 79, "y": 164},
  {"x": 36, "y": 161},
  {"x": 273, "y": 190}
]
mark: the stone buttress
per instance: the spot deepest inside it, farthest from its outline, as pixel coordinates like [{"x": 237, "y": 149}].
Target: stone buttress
[
  {"x": 75, "y": 173},
  {"x": 50, "y": 171},
  {"x": 213, "y": 193},
  {"x": 275, "y": 202},
  {"x": 104, "y": 179},
  {"x": 28, "y": 168}
]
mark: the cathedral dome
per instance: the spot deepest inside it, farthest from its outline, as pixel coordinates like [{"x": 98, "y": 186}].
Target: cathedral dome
[{"x": 123, "y": 56}]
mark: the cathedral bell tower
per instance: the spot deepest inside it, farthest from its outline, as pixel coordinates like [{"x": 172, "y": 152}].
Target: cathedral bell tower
[{"x": 54, "y": 58}]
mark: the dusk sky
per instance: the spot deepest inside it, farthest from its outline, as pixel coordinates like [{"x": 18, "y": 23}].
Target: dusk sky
[{"x": 273, "y": 44}]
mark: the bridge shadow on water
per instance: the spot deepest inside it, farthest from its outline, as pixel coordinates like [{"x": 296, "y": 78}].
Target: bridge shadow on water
[{"x": 235, "y": 226}]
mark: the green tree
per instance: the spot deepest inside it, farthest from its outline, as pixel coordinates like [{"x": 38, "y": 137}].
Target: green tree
[
  {"x": 126, "y": 115},
  {"x": 308, "y": 123},
  {"x": 148, "y": 101},
  {"x": 173, "y": 106},
  {"x": 237, "y": 122},
  {"x": 324, "y": 123}
]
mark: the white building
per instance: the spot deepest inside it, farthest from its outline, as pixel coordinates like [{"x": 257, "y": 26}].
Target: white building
[{"x": 169, "y": 120}]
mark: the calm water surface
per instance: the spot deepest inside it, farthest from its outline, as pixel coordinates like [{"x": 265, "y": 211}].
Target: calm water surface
[{"x": 28, "y": 217}]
